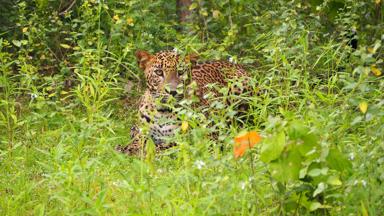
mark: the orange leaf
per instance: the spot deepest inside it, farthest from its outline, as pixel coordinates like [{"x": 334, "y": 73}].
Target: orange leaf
[{"x": 245, "y": 141}]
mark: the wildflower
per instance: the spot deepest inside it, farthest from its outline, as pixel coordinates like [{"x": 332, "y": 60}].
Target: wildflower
[
  {"x": 375, "y": 70},
  {"x": 199, "y": 164},
  {"x": 242, "y": 185},
  {"x": 245, "y": 141},
  {"x": 116, "y": 18},
  {"x": 215, "y": 14},
  {"x": 352, "y": 156},
  {"x": 130, "y": 21},
  {"x": 184, "y": 126},
  {"x": 33, "y": 96},
  {"x": 363, "y": 107}
]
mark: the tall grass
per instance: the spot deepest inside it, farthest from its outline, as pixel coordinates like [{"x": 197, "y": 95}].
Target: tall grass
[{"x": 57, "y": 152}]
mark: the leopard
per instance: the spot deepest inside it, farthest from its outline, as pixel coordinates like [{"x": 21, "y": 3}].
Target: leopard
[{"x": 167, "y": 73}]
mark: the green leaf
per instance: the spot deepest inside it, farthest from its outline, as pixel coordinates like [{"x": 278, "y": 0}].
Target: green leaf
[
  {"x": 320, "y": 189},
  {"x": 364, "y": 211},
  {"x": 273, "y": 147},
  {"x": 314, "y": 206},
  {"x": 334, "y": 180},
  {"x": 65, "y": 46},
  {"x": 16, "y": 43},
  {"x": 316, "y": 172},
  {"x": 338, "y": 161},
  {"x": 297, "y": 130},
  {"x": 286, "y": 168},
  {"x": 306, "y": 140},
  {"x": 193, "y": 6},
  {"x": 150, "y": 150},
  {"x": 310, "y": 142}
]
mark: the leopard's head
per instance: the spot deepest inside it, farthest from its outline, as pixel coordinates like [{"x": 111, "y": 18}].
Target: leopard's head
[{"x": 163, "y": 70}]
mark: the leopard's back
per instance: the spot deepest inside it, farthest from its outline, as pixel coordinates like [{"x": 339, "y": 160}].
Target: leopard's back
[{"x": 215, "y": 72}]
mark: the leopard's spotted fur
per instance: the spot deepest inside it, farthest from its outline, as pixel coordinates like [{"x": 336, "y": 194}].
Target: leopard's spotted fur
[{"x": 164, "y": 72}]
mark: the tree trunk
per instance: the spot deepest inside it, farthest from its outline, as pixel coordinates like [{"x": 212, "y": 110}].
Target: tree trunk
[{"x": 183, "y": 13}]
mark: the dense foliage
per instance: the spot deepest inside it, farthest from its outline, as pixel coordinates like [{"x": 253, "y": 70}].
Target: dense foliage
[{"x": 69, "y": 86}]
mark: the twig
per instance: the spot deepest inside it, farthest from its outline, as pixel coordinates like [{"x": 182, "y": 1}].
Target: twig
[{"x": 68, "y": 8}]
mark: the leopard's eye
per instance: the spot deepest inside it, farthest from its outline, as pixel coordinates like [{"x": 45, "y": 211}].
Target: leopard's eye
[{"x": 158, "y": 72}]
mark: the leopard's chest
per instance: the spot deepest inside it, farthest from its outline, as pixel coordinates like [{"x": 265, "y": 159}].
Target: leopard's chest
[{"x": 160, "y": 123}]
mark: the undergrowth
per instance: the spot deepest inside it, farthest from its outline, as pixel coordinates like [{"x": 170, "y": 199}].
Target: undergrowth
[{"x": 69, "y": 87}]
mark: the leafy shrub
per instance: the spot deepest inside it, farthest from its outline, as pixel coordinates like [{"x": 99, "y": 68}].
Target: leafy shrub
[{"x": 69, "y": 86}]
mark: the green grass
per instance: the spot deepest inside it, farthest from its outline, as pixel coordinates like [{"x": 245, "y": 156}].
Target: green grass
[
  {"x": 59, "y": 158},
  {"x": 57, "y": 139}
]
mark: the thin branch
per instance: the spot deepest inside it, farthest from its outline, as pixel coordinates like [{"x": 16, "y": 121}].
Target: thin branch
[{"x": 68, "y": 8}]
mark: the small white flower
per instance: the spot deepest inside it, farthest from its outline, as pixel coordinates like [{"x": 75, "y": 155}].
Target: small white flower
[
  {"x": 199, "y": 164},
  {"x": 364, "y": 183},
  {"x": 33, "y": 96},
  {"x": 175, "y": 50},
  {"x": 352, "y": 156},
  {"x": 355, "y": 182},
  {"x": 118, "y": 183},
  {"x": 242, "y": 185},
  {"x": 230, "y": 59}
]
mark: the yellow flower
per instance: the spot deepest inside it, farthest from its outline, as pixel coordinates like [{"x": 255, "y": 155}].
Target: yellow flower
[
  {"x": 184, "y": 126},
  {"x": 130, "y": 21},
  {"x": 375, "y": 70},
  {"x": 363, "y": 107},
  {"x": 116, "y": 18}
]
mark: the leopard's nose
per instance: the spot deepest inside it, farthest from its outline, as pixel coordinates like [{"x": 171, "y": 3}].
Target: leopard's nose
[{"x": 173, "y": 93}]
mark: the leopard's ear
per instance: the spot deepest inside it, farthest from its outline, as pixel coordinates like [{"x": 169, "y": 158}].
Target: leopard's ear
[
  {"x": 192, "y": 58},
  {"x": 143, "y": 58}
]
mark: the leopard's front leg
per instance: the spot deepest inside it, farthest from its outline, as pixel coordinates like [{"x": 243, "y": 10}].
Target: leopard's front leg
[
  {"x": 138, "y": 138},
  {"x": 137, "y": 142},
  {"x": 156, "y": 123}
]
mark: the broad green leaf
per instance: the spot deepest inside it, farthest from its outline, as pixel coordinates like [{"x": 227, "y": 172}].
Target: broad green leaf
[
  {"x": 314, "y": 206},
  {"x": 193, "y": 6},
  {"x": 337, "y": 161},
  {"x": 287, "y": 167},
  {"x": 310, "y": 142},
  {"x": 16, "y": 43},
  {"x": 334, "y": 180},
  {"x": 306, "y": 141},
  {"x": 297, "y": 130},
  {"x": 303, "y": 172},
  {"x": 316, "y": 172},
  {"x": 320, "y": 189},
  {"x": 272, "y": 147}
]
